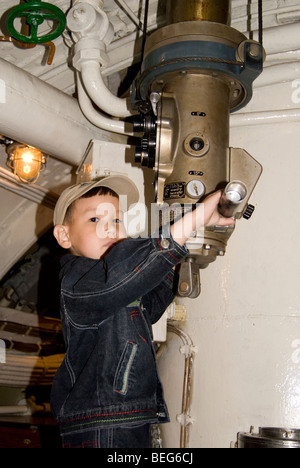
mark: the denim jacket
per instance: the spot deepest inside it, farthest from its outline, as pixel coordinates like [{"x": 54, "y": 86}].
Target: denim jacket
[{"x": 109, "y": 375}]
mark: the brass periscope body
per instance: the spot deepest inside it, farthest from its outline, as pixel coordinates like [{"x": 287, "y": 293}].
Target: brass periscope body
[
  {"x": 194, "y": 10},
  {"x": 196, "y": 70}
]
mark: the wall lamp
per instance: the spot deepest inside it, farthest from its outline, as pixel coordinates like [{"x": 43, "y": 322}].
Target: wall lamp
[{"x": 25, "y": 161}]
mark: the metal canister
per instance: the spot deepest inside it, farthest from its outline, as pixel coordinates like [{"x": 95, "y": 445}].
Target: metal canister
[{"x": 269, "y": 437}]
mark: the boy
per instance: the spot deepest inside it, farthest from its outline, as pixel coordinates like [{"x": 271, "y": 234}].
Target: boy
[{"x": 107, "y": 391}]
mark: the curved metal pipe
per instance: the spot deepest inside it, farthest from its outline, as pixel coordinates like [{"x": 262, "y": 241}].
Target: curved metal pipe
[
  {"x": 91, "y": 32},
  {"x": 96, "y": 117},
  {"x": 99, "y": 93}
]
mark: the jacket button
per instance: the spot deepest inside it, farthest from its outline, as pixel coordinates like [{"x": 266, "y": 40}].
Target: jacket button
[{"x": 165, "y": 243}]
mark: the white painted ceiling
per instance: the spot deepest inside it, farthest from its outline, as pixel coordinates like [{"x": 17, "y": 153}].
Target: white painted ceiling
[{"x": 14, "y": 209}]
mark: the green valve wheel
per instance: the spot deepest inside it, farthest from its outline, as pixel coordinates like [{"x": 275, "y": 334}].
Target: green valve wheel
[{"x": 35, "y": 13}]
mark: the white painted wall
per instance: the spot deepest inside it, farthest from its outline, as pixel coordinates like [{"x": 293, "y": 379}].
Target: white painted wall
[{"x": 246, "y": 323}]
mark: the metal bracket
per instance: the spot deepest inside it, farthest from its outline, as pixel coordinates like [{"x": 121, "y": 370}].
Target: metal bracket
[{"x": 189, "y": 279}]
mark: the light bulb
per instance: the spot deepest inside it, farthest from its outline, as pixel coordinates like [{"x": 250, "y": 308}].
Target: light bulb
[{"x": 26, "y": 162}]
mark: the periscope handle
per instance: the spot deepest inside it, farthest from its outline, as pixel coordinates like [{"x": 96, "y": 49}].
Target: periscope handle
[{"x": 233, "y": 195}]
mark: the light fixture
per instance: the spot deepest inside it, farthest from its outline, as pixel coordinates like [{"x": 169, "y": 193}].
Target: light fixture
[{"x": 26, "y": 162}]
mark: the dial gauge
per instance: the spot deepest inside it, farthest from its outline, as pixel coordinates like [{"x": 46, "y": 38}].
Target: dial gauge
[{"x": 195, "y": 189}]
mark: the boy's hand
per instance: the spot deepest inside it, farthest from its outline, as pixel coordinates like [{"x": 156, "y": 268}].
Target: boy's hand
[
  {"x": 212, "y": 216},
  {"x": 206, "y": 214}
]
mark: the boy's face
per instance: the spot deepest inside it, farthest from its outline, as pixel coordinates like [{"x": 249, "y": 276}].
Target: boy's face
[{"x": 95, "y": 227}]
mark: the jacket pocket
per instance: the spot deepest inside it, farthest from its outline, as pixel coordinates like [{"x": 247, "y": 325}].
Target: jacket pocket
[{"x": 123, "y": 370}]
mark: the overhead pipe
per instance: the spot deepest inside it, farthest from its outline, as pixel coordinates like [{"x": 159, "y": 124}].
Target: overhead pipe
[
  {"x": 265, "y": 117},
  {"x": 97, "y": 118},
  {"x": 99, "y": 93},
  {"x": 35, "y": 113},
  {"x": 91, "y": 32}
]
